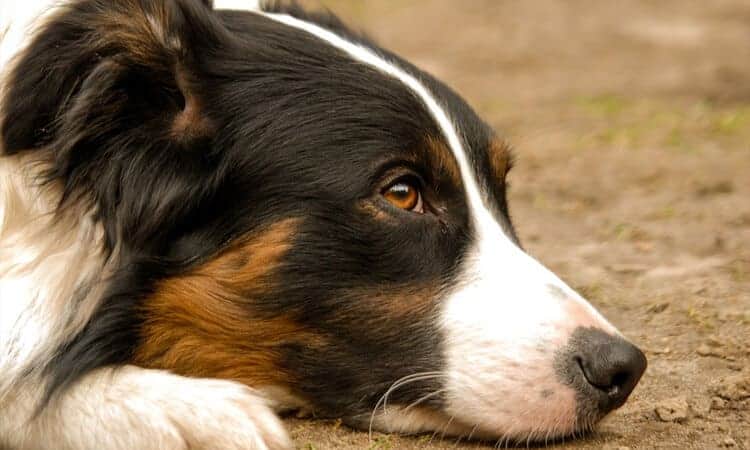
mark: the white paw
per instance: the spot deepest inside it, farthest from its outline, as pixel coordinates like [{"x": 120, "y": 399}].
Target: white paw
[
  {"x": 214, "y": 414},
  {"x": 132, "y": 408}
]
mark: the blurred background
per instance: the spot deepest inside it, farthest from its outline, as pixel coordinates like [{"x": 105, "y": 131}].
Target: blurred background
[{"x": 631, "y": 124}]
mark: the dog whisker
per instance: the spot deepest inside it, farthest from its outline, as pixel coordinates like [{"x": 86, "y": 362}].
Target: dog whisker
[
  {"x": 473, "y": 429},
  {"x": 445, "y": 428},
  {"x": 423, "y": 399},
  {"x": 420, "y": 376}
]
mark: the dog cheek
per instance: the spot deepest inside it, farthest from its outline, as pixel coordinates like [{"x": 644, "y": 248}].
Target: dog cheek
[
  {"x": 370, "y": 338},
  {"x": 204, "y": 323}
]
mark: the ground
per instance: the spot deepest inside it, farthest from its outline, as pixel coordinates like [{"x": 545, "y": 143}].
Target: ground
[{"x": 631, "y": 123}]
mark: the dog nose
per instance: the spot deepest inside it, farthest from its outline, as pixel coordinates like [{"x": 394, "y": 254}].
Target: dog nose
[{"x": 612, "y": 365}]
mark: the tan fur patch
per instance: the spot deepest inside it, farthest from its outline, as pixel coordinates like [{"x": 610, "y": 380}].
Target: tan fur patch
[
  {"x": 441, "y": 159},
  {"x": 202, "y": 323},
  {"x": 499, "y": 157},
  {"x": 145, "y": 34}
]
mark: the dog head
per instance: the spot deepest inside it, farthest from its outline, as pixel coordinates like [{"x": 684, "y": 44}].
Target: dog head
[{"x": 287, "y": 205}]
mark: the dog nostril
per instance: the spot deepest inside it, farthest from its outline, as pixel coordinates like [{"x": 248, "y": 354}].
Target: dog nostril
[
  {"x": 613, "y": 366},
  {"x": 618, "y": 380}
]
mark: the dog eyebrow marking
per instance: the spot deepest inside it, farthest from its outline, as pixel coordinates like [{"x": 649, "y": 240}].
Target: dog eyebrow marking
[
  {"x": 370, "y": 57},
  {"x": 500, "y": 158},
  {"x": 439, "y": 157}
]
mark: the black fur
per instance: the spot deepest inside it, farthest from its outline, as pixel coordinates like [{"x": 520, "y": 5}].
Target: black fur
[{"x": 297, "y": 129}]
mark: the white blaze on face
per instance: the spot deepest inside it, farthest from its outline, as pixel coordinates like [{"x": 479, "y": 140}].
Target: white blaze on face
[
  {"x": 504, "y": 323},
  {"x": 508, "y": 315}
]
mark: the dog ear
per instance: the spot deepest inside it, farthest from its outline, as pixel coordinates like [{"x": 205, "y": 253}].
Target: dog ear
[
  {"x": 109, "y": 95},
  {"x": 150, "y": 43}
]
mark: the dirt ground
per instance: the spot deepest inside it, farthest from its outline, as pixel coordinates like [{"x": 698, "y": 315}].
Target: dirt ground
[{"x": 631, "y": 122}]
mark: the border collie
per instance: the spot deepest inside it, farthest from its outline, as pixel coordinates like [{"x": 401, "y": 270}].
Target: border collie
[{"x": 211, "y": 216}]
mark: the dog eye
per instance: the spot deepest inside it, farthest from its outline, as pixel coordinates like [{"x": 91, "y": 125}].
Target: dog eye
[{"x": 405, "y": 195}]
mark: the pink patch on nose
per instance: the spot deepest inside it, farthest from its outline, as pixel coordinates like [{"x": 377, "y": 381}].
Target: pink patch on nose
[{"x": 576, "y": 313}]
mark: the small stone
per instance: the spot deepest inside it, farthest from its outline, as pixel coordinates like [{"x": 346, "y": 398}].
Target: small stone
[
  {"x": 673, "y": 410},
  {"x": 734, "y": 387},
  {"x": 714, "y": 350},
  {"x": 705, "y": 350},
  {"x": 718, "y": 403},
  {"x": 700, "y": 406},
  {"x": 660, "y": 351},
  {"x": 729, "y": 442}
]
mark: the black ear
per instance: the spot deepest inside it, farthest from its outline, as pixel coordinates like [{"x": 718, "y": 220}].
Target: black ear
[{"x": 109, "y": 95}]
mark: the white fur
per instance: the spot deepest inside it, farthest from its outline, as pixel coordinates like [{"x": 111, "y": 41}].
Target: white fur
[
  {"x": 507, "y": 307},
  {"x": 38, "y": 250},
  {"x": 17, "y": 22},
  {"x": 132, "y": 408},
  {"x": 46, "y": 260}
]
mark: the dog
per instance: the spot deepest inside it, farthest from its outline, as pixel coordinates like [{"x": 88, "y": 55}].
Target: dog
[{"x": 212, "y": 214}]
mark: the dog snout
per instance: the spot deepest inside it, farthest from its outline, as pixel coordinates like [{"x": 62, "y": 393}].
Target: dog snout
[{"x": 608, "y": 363}]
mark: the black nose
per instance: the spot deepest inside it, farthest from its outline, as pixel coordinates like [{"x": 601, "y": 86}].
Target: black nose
[{"x": 612, "y": 365}]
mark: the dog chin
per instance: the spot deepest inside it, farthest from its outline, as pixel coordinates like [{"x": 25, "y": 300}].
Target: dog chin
[{"x": 501, "y": 428}]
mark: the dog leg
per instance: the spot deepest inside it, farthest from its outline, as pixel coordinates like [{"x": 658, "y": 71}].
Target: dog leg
[{"x": 132, "y": 408}]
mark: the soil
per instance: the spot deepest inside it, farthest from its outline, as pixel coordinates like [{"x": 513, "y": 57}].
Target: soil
[{"x": 631, "y": 124}]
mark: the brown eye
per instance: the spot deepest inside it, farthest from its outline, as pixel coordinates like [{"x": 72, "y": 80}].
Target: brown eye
[{"x": 404, "y": 195}]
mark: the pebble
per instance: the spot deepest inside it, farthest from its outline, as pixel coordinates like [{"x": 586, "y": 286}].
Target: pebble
[
  {"x": 715, "y": 341},
  {"x": 737, "y": 367},
  {"x": 734, "y": 387},
  {"x": 705, "y": 350},
  {"x": 729, "y": 442},
  {"x": 660, "y": 351},
  {"x": 701, "y": 406},
  {"x": 718, "y": 403},
  {"x": 673, "y": 410}
]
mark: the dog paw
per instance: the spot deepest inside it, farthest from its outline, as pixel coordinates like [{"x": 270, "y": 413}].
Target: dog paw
[
  {"x": 130, "y": 408},
  {"x": 227, "y": 416}
]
